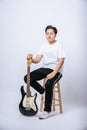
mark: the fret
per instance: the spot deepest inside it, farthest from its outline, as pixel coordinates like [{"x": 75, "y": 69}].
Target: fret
[{"x": 29, "y": 61}]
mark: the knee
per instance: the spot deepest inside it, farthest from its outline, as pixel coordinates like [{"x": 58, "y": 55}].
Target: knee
[{"x": 25, "y": 78}]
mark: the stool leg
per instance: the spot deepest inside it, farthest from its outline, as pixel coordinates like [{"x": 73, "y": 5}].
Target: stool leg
[
  {"x": 41, "y": 103},
  {"x": 53, "y": 100},
  {"x": 42, "y": 98},
  {"x": 60, "y": 101}
]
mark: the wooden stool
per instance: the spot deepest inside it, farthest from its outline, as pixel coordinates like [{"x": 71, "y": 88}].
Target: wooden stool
[{"x": 56, "y": 101}]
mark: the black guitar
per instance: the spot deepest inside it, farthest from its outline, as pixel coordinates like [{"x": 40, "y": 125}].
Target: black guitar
[{"x": 28, "y": 106}]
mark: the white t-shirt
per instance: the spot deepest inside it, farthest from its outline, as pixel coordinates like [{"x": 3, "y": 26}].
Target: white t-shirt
[{"x": 51, "y": 54}]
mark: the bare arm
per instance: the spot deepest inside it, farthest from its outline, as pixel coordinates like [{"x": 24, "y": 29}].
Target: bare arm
[
  {"x": 57, "y": 68},
  {"x": 37, "y": 59}
]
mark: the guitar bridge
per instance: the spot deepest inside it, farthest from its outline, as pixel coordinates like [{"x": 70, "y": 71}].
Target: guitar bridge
[{"x": 27, "y": 108}]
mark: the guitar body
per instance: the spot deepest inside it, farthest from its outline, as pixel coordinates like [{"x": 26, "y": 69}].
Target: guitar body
[{"x": 28, "y": 106}]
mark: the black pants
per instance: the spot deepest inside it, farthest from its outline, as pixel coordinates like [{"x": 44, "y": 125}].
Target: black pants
[{"x": 40, "y": 74}]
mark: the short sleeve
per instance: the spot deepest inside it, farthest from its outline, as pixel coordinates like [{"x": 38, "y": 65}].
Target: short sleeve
[
  {"x": 41, "y": 50},
  {"x": 61, "y": 51}
]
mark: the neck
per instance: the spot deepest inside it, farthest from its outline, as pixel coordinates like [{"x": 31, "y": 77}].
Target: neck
[{"x": 53, "y": 42}]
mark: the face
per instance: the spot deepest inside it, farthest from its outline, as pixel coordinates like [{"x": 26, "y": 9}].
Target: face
[{"x": 50, "y": 35}]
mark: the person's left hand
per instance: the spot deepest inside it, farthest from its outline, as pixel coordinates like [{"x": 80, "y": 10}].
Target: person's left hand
[{"x": 50, "y": 76}]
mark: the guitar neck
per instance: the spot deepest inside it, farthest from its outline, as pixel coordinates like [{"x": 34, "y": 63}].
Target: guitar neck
[{"x": 28, "y": 82}]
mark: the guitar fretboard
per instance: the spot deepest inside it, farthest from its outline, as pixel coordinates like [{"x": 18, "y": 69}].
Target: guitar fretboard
[{"x": 28, "y": 79}]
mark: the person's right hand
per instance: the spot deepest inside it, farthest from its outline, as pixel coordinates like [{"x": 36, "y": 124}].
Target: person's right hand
[{"x": 29, "y": 56}]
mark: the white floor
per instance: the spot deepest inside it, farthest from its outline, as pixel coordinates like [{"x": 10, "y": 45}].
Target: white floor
[{"x": 73, "y": 117}]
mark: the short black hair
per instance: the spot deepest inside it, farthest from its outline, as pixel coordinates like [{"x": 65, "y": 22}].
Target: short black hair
[{"x": 51, "y": 27}]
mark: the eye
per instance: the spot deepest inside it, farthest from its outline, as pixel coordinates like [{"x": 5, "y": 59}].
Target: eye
[{"x": 47, "y": 33}]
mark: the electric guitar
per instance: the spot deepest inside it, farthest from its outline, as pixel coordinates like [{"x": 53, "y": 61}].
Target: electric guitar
[{"x": 28, "y": 106}]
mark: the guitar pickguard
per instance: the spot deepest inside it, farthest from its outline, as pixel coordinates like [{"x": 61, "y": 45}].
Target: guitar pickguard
[{"x": 28, "y": 103}]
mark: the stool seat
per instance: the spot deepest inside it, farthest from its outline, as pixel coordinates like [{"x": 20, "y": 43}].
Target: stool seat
[{"x": 56, "y": 100}]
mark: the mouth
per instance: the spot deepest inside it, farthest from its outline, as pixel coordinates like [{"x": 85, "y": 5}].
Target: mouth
[{"x": 49, "y": 38}]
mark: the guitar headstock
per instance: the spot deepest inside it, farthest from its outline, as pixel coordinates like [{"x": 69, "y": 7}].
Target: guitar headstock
[{"x": 29, "y": 60}]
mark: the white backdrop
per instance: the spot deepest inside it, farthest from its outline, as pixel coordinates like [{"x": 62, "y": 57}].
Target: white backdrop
[{"x": 22, "y": 24}]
